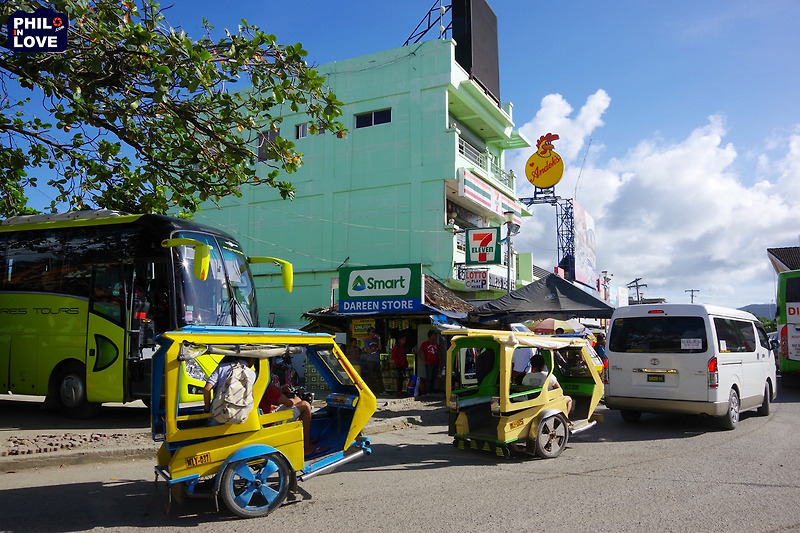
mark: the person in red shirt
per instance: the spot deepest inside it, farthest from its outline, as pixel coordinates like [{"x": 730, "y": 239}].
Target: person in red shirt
[
  {"x": 400, "y": 363},
  {"x": 429, "y": 351},
  {"x": 275, "y": 400}
]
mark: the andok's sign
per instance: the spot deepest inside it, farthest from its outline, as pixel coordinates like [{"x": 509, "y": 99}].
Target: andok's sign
[
  {"x": 483, "y": 246},
  {"x": 545, "y": 167},
  {"x": 381, "y": 289}
]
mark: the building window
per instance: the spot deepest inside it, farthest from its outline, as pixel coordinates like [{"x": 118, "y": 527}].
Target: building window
[
  {"x": 373, "y": 118},
  {"x": 265, "y": 141},
  {"x": 301, "y": 131}
]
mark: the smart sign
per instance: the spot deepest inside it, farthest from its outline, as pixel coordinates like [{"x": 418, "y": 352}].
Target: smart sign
[{"x": 381, "y": 289}]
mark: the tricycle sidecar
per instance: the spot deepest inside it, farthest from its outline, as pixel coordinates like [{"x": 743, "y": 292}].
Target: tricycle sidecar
[
  {"x": 490, "y": 409},
  {"x": 252, "y": 465}
]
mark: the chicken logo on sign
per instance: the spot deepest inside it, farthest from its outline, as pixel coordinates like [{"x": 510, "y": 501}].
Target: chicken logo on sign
[{"x": 545, "y": 167}]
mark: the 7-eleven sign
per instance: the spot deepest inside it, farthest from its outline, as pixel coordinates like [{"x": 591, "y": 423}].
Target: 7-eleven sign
[{"x": 483, "y": 246}]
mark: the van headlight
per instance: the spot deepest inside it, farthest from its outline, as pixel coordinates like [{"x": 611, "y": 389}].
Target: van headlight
[{"x": 195, "y": 371}]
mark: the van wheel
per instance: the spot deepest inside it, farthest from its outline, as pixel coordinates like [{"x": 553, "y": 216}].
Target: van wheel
[
  {"x": 731, "y": 419},
  {"x": 631, "y": 416},
  {"x": 765, "y": 405}
]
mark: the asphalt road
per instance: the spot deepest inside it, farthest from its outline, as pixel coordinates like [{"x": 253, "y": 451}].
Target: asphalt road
[{"x": 662, "y": 474}]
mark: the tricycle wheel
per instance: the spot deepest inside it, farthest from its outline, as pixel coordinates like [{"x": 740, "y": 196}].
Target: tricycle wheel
[
  {"x": 551, "y": 436},
  {"x": 254, "y": 487}
]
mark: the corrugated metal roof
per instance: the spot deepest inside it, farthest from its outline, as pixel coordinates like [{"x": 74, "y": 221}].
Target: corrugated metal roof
[{"x": 785, "y": 258}]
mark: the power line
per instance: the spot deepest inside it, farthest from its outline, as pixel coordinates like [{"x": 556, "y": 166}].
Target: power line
[
  {"x": 692, "y": 291},
  {"x": 635, "y": 283}
]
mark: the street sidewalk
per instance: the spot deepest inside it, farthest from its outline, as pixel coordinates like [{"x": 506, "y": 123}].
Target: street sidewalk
[{"x": 30, "y": 438}]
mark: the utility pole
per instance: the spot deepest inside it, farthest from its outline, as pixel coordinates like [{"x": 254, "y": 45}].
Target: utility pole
[
  {"x": 692, "y": 291},
  {"x": 635, "y": 284}
]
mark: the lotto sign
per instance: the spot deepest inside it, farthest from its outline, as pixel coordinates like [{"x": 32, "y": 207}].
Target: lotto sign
[
  {"x": 476, "y": 279},
  {"x": 483, "y": 246},
  {"x": 44, "y": 30}
]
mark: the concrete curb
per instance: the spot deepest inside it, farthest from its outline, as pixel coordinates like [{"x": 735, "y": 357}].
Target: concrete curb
[
  {"x": 78, "y": 456},
  {"x": 13, "y": 463}
]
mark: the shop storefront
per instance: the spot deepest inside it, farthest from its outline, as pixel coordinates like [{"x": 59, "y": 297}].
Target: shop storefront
[{"x": 395, "y": 301}]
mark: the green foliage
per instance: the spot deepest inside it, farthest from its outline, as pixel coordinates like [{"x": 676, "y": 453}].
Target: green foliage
[{"x": 137, "y": 116}]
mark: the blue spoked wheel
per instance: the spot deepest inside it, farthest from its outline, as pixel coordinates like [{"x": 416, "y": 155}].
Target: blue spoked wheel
[{"x": 254, "y": 487}]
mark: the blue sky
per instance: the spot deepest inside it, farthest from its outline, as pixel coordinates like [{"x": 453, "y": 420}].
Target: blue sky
[{"x": 691, "y": 108}]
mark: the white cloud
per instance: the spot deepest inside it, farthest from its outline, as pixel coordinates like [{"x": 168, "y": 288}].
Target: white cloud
[{"x": 680, "y": 215}]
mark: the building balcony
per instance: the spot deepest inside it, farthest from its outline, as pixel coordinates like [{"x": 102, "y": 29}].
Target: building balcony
[{"x": 485, "y": 163}]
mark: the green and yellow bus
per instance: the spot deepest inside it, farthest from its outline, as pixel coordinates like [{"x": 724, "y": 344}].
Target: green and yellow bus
[
  {"x": 788, "y": 324},
  {"x": 84, "y": 294}
]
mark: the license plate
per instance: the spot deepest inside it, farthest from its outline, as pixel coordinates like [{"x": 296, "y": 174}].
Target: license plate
[
  {"x": 199, "y": 459},
  {"x": 655, "y": 378}
]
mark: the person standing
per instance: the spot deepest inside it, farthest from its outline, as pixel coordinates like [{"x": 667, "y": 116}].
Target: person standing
[
  {"x": 600, "y": 347},
  {"x": 372, "y": 345},
  {"x": 400, "y": 363},
  {"x": 430, "y": 355},
  {"x": 353, "y": 351},
  {"x": 371, "y": 361}
]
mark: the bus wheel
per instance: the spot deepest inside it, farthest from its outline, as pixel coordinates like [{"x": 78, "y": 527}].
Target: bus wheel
[
  {"x": 71, "y": 393},
  {"x": 254, "y": 487},
  {"x": 551, "y": 436},
  {"x": 731, "y": 419}
]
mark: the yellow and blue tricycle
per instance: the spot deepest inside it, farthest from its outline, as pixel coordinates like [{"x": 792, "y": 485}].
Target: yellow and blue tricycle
[{"x": 255, "y": 464}]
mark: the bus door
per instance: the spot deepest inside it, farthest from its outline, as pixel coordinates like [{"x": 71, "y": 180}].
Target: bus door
[{"x": 106, "y": 339}]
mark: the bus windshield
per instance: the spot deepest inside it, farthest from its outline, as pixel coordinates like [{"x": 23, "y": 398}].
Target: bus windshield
[{"x": 226, "y": 297}]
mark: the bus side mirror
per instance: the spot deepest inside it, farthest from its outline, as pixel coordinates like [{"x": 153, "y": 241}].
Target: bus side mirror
[
  {"x": 202, "y": 254},
  {"x": 287, "y": 271}
]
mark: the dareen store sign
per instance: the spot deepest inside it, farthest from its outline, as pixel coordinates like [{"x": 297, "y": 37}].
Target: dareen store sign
[{"x": 381, "y": 289}]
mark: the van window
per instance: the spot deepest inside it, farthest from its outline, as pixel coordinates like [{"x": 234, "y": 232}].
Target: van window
[
  {"x": 735, "y": 335},
  {"x": 659, "y": 334},
  {"x": 762, "y": 335}
]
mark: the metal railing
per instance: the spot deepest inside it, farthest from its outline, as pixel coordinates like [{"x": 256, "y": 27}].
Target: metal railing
[{"x": 484, "y": 161}]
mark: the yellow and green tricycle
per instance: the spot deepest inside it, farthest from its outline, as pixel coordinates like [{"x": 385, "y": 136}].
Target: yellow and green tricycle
[
  {"x": 253, "y": 465},
  {"x": 491, "y": 408}
]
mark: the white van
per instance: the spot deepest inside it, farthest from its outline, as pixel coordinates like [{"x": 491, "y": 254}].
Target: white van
[{"x": 688, "y": 358}]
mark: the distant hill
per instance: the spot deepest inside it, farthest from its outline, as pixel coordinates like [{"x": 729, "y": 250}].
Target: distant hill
[{"x": 761, "y": 310}]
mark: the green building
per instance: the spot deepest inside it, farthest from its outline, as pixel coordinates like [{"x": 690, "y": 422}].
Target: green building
[{"x": 422, "y": 161}]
